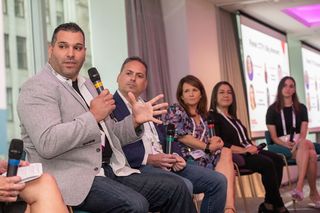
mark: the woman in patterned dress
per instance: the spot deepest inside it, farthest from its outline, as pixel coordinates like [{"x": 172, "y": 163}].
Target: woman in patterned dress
[{"x": 192, "y": 133}]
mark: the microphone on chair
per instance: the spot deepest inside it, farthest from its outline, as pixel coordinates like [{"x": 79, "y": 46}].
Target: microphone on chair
[
  {"x": 15, "y": 154},
  {"x": 170, "y": 137},
  {"x": 96, "y": 80}
]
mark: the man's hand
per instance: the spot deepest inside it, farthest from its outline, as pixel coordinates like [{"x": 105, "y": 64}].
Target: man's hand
[
  {"x": 161, "y": 160},
  {"x": 215, "y": 144},
  {"x": 180, "y": 164},
  {"x": 102, "y": 105},
  {"x": 144, "y": 112},
  {"x": 10, "y": 188}
]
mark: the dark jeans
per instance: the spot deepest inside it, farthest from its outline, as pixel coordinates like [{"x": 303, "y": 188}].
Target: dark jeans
[
  {"x": 270, "y": 166},
  {"x": 137, "y": 193},
  {"x": 209, "y": 182}
]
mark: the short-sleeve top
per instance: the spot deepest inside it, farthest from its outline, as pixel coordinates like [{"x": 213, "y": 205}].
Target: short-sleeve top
[
  {"x": 274, "y": 118},
  {"x": 186, "y": 126}
]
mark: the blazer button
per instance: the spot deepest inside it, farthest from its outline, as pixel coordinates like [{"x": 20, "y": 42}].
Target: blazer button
[
  {"x": 96, "y": 169},
  {"x": 98, "y": 149}
]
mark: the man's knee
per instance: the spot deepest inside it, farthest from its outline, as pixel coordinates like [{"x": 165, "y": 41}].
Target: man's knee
[
  {"x": 189, "y": 185},
  {"x": 137, "y": 204},
  {"x": 173, "y": 182}
]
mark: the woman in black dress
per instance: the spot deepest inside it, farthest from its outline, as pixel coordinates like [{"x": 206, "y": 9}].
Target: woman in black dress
[{"x": 235, "y": 136}]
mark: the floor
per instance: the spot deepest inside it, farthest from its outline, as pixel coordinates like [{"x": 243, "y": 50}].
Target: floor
[{"x": 301, "y": 207}]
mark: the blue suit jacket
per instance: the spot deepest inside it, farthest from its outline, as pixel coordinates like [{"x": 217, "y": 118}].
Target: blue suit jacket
[{"x": 134, "y": 152}]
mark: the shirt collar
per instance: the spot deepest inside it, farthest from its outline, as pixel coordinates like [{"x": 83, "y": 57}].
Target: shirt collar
[{"x": 81, "y": 80}]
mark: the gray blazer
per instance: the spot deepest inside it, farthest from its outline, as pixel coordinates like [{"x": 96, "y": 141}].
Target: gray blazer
[{"x": 59, "y": 131}]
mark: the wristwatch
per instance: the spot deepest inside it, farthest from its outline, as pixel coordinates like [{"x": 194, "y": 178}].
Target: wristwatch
[{"x": 207, "y": 150}]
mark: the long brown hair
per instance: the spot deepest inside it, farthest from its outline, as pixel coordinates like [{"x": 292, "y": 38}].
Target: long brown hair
[
  {"x": 194, "y": 81},
  {"x": 232, "y": 110},
  {"x": 279, "y": 103}
]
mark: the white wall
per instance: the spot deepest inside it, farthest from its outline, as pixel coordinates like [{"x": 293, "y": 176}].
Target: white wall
[
  {"x": 108, "y": 39},
  {"x": 192, "y": 41}
]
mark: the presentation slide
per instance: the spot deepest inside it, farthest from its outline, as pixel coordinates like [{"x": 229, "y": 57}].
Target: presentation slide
[
  {"x": 311, "y": 72},
  {"x": 265, "y": 62}
]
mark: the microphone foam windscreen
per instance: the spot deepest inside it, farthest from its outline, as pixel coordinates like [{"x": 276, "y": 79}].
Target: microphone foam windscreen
[
  {"x": 16, "y": 149},
  {"x": 171, "y": 129},
  {"x": 210, "y": 120},
  {"x": 94, "y": 74}
]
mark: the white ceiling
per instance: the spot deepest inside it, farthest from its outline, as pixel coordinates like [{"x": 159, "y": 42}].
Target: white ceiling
[{"x": 269, "y": 11}]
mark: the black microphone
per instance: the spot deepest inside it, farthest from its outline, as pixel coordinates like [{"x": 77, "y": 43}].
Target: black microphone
[
  {"x": 15, "y": 153},
  {"x": 261, "y": 146},
  {"x": 96, "y": 80},
  {"x": 210, "y": 122},
  {"x": 292, "y": 130},
  {"x": 170, "y": 137}
]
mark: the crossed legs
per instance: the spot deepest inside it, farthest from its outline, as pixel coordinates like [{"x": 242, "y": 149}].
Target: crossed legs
[
  {"x": 43, "y": 195},
  {"x": 306, "y": 158},
  {"x": 225, "y": 166}
]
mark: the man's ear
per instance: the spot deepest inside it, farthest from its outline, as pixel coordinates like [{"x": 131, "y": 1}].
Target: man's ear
[
  {"x": 49, "y": 51},
  {"x": 118, "y": 77}
]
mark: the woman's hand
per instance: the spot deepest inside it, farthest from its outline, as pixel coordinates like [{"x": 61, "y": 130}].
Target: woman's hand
[
  {"x": 215, "y": 143},
  {"x": 252, "y": 150},
  {"x": 10, "y": 188}
]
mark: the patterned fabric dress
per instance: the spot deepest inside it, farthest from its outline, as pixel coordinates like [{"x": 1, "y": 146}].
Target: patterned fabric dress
[{"x": 187, "y": 126}]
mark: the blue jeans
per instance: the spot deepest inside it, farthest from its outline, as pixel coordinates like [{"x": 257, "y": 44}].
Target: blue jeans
[
  {"x": 148, "y": 169},
  {"x": 137, "y": 193},
  {"x": 207, "y": 181}
]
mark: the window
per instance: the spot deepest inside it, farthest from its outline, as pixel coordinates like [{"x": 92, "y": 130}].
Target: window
[
  {"x": 19, "y": 8},
  {"x": 47, "y": 12},
  {"x": 7, "y": 50},
  {"x": 9, "y": 104},
  {"x": 60, "y": 12},
  {"x": 4, "y": 7},
  {"x": 22, "y": 52}
]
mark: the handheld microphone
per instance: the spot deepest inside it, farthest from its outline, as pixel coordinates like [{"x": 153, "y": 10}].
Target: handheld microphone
[
  {"x": 261, "y": 146},
  {"x": 210, "y": 122},
  {"x": 96, "y": 80},
  {"x": 170, "y": 137},
  {"x": 292, "y": 130},
  {"x": 15, "y": 153}
]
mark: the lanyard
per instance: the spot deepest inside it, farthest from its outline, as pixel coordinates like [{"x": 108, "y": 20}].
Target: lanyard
[
  {"x": 194, "y": 128},
  {"x": 284, "y": 121},
  {"x": 244, "y": 143}
]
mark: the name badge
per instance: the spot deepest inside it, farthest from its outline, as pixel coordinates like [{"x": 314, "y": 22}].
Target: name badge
[{"x": 196, "y": 154}]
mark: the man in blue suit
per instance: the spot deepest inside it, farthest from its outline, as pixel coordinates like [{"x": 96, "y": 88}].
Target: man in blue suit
[{"x": 147, "y": 154}]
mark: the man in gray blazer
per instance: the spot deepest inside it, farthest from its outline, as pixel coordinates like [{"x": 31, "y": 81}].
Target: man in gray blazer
[{"x": 65, "y": 125}]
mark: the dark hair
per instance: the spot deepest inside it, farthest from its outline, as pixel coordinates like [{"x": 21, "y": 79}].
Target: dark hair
[
  {"x": 232, "y": 110},
  {"x": 134, "y": 58},
  {"x": 194, "y": 81},
  {"x": 70, "y": 27},
  {"x": 279, "y": 103}
]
